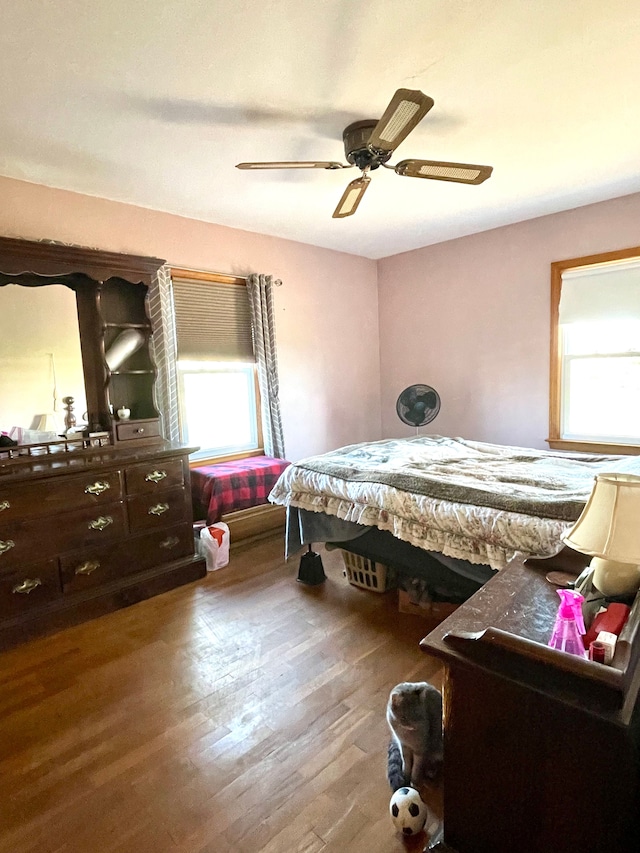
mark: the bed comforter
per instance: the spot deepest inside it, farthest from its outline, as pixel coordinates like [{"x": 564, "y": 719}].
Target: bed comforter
[{"x": 474, "y": 501}]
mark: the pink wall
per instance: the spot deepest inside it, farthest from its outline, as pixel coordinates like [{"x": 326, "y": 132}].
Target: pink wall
[
  {"x": 471, "y": 318},
  {"x": 326, "y": 310}
]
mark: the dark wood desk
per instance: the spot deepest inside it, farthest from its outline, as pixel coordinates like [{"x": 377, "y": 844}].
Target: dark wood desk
[{"x": 541, "y": 747}]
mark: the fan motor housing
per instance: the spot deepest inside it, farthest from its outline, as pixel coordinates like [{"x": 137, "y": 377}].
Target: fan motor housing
[{"x": 356, "y": 145}]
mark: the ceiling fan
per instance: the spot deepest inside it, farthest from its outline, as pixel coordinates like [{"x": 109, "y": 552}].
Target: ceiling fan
[{"x": 369, "y": 144}]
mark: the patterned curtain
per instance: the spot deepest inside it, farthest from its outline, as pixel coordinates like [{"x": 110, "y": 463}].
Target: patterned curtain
[
  {"x": 161, "y": 315},
  {"x": 259, "y": 288}
]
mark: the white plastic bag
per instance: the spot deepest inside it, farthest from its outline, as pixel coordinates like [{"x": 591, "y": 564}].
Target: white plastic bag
[{"x": 214, "y": 542}]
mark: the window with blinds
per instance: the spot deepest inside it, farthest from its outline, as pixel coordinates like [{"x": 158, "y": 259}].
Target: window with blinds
[
  {"x": 217, "y": 382},
  {"x": 213, "y": 319},
  {"x": 595, "y": 357}
]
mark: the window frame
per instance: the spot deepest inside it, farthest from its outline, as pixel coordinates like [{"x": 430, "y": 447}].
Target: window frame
[
  {"x": 220, "y": 278},
  {"x": 556, "y": 386}
]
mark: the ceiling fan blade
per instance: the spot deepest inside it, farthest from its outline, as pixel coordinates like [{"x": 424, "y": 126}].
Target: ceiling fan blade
[
  {"x": 351, "y": 197},
  {"x": 294, "y": 164},
  {"x": 440, "y": 170},
  {"x": 405, "y": 110}
]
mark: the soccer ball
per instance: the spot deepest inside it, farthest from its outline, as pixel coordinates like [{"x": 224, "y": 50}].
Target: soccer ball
[{"x": 408, "y": 812}]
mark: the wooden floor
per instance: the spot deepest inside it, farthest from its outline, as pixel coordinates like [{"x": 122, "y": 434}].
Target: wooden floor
[{"x": 244, "y": 712}]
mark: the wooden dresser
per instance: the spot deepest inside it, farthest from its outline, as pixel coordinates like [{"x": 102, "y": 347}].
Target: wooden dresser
[
  {"x": 85, "y": 532},
  {"x": 99, "y": 519},
  {"x": 542, "y": 748}
]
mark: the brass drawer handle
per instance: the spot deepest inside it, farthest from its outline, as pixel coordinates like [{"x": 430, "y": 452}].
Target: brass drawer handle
[
  {"x": 158, "y": 509},
  {"x": 169, "y": 542},
  {"x": 100, "y": 523},
  {"x": 27, "y": 585},
  {"x": 87, "y": 568},
  {"x": 155, "y": 476},
  {"x": 97, "y": 488},
  {"x": 6, "y": 545},
  {"x": 4, "y": 505}
]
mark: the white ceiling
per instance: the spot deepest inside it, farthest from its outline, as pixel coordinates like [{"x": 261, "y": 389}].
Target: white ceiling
[{"x": 153, "y": 102}]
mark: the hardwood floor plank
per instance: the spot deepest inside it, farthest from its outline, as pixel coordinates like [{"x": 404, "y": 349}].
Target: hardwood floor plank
[
  {"x": 341, "y": 824},
  {"x": 296, "y": 830},
  {"x": 244, "y": 712}
]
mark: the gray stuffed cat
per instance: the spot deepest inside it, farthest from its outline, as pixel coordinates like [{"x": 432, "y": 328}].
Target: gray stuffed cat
[{"x": 414, "y": 714}]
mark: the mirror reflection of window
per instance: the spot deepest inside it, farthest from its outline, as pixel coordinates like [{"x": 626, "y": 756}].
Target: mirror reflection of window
[{"x": 40, "y": 357}]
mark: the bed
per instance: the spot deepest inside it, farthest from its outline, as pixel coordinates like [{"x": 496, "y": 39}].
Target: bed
[{"x": 451, "y": 510}]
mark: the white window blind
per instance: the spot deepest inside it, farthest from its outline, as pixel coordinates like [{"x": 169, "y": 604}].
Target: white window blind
[
  {"x": 213, "y": 320},
  {"x": 601, "y": 292}
]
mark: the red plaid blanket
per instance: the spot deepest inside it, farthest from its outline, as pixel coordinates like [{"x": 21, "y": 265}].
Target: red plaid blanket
[{"x": 227, "y": 486}]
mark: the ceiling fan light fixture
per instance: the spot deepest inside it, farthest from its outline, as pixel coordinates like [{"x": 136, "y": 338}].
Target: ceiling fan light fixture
[
  {"x": 351, "y": 197},
  {"x": 440, "y": 170}
]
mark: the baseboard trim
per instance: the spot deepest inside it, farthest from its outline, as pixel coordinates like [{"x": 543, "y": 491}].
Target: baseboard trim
[{"x": 254, "y": 522}]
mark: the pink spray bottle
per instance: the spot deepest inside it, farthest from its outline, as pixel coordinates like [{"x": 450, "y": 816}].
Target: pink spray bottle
[{"x": 569, "y": 625}]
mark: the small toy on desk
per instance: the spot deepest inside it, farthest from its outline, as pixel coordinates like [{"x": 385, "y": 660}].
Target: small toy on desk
[
  {"x": 408, "y": 811},
  {"x": 569, "y": 629}
]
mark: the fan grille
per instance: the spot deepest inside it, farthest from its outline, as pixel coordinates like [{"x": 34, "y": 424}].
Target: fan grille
[{"x": 418, "y": 405}]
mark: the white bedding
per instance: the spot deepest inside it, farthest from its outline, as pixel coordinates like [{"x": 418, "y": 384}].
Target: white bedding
[{"x": 469, "y": 500}]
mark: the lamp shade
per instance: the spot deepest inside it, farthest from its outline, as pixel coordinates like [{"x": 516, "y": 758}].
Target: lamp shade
[
  {"x": 609, "y": 526},
  {"x": 47, "y": 423}
]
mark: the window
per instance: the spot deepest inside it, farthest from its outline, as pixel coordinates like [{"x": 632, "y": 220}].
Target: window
[
  {"x": 219, "y": 401},
  {"x": 595, "y": 353}
]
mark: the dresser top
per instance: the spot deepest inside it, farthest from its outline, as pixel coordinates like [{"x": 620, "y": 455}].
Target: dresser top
[
  {"x": 76, "y": 461},
  {"x": 505, "y": 628}
]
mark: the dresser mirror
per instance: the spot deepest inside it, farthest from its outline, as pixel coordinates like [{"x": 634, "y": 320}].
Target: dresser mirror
[
  {"x": 66, "y": 312},
  {"x": 40, "y": 361}
]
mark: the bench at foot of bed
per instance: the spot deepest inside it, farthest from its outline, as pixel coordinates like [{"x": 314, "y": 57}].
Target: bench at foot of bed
[{"x": 236, "y": 492}]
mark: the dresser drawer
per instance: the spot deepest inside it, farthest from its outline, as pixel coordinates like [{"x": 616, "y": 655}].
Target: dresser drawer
[
  {"x": 22, "y": 589},
  {"x": 137, "y": 430},
  {"x": 32, "y": 500},
  {"x": 152, "y": 477},
  {"x": 27, "y": 541},
  {"x": 159, "y": 510},
  {"x": 95, "y": 566}
]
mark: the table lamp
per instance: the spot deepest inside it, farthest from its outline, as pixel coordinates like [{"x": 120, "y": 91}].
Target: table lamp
[{"x": 609, "y": 531}]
